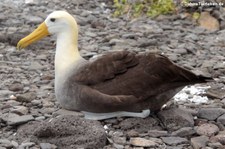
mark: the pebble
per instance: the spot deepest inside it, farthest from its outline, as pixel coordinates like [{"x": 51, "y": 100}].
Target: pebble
[
  {"x": 157, "y": 133},
  {"x": 207, "y": 129},
  {"x": 184, "y": 132},
  {"x": 16, "y": 87},
  {"x": 17, "y": 120},
  {"x": 174, "y": 140},
  {"x": 26, "y": 97},
  {"x": 176, "y": 118},
  {"x": 21, "y": 110},
  {"x": 132, "y": 133},
  {"x": 199, "y": 142},
  {"x": 142, "y": 142},
  {"x": 47, "y": 146}
]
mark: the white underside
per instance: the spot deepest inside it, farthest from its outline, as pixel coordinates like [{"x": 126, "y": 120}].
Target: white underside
[{"x": 102, "y": 116}]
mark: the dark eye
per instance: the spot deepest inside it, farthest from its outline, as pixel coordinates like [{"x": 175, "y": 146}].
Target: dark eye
[{"x": 52, "y": 19}]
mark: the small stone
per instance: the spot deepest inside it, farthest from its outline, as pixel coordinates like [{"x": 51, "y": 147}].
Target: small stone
[
  {"x": 26, "y": 145},
  {"x": 176, "y": 118},
  {"x": 221, "y": 119},
  {"x": 207, "y": 129},
  {"x": 35, "y": 66},
  {"x": 216, "y": 145},
  {"x": 210, "y": 113},
  {"x": 21, "y": 110},
  {"x": 5, "y": 143},
  {"x": 183, "y": 132},
  {"x": 208, "y": 22},
  {"x": 12, "y": 97},
  {"x": 219, "y": 138},
  {"x": 142, "y": 142},
  {"x": 174, "y": 140},
  {"x": 14, "y": 143},
  {"x": 16, "y": 87},
  {"x": 40, "y": 118},
  {"x": 26, "y": 97},
  {"x": 47, "y": 146},
  {"x": 132, "y": 133},
  {"x": 20, "y": 119},
  {"x": 119, "y": 140},
  {"x": 157, "y": 133},
  {"x": 199, "y": 142}
]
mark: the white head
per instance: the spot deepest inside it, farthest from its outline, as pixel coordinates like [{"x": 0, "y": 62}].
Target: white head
[{"x": 57, "y": 22}]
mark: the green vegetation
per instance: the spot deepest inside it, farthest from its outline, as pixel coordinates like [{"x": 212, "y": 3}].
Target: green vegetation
[{"x": 151, "y": 8}]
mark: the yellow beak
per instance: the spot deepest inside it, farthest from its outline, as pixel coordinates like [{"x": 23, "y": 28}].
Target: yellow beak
[{"x": 37, "y": 34}]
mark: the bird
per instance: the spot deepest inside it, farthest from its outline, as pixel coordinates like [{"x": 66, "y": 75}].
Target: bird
[{"x": 117, "y": 83}]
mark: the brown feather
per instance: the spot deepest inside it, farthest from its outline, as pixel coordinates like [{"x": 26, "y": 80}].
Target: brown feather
[{"x": 130, "y": 82}]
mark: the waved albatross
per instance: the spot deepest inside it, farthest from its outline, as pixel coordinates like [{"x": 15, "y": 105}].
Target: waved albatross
[{"x": 119, "y": 83}]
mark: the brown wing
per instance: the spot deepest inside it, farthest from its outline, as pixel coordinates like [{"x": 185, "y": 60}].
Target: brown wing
[{"x": 121, "y": 79}]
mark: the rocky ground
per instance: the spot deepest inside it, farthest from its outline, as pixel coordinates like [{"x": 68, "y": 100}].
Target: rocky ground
[{"x": 31, "y": 118}]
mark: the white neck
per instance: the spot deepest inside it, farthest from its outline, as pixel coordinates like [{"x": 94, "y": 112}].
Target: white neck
[{"x": 66, "y": 51}]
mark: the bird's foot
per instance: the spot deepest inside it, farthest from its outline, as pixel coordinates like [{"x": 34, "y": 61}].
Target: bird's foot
[{"x": 102, "y": 116}]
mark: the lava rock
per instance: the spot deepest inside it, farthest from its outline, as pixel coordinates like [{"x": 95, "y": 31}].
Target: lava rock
[
  {"x": 66, "y": 131},
  {"x": 16, "y": 87},
  {"x": 26, "y": 97},
  {"x": 207, "y": 129},
  {"x": 199, "y": 142},
  {"x": 176, "y": 118}
]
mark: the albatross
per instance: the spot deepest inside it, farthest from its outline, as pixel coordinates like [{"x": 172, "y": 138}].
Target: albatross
[{"x": 119, "y": 83}]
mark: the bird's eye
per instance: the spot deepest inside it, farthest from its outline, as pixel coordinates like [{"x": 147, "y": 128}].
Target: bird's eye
[{"x": 52, "y": 19}]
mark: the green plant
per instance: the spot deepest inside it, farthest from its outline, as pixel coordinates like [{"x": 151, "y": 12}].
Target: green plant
[{"x": 152, "y": 8}]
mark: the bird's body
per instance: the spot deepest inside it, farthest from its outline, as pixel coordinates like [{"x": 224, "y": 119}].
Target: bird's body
[{"x": 116, "y": 81}]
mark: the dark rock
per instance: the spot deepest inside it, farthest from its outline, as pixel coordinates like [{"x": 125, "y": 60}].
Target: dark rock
[
  {"x": 199, "y": 142},
  {"x": 66, "y": 131},
  {"x": 157, "y": 133},
  {"x": 183, "y": 132},
  {"x": 176, "y": 118},
  {"x": 26, "y": 97},
  {"x": 16, "y": 87},
  {"x": 138, "y": 124},
  {"x": 174, "y": 140},
  {"x": 210, "y": 113},
  {"x": 207, "y": 129},
  {"x": 221, "y": 119}
]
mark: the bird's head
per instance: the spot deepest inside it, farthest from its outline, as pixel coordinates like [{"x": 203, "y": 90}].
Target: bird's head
[{"x": 57, "y": 22}]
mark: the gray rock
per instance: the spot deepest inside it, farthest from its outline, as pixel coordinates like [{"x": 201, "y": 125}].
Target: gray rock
[
  {"x": 199, "y": 142},
  {"x": 47, "y": 146},
  {"x": 5, "y": 93},
  {"x": 142, "y": 142},
  {"x": 176, "y": 118},
  {"x": 157, "y": 133},
  {"x": 221, "y": 119},
  {"x": 21, "y": 110},
  {"x": 210, "y": 113},
  {"x": 119, "y": 140},
  {"x": 207, "y": 129},
  {"x": 35, "y": 66},
  {"x": 16, "y": 87},
  {"x": 66, "y": 131},
  {"x": 183, "y": 132},
  {"x": 174, "y": 140},
  {"x": 26, "y": 145},
  {"x": 138, "y": 124},
  {"x": 218, "y": 138},
  {"x": 20, "y": 119},
  {"x": 132, "y": 133},
  {"x": 26, "y": 97},
  {"x": 5, "y": 143}
]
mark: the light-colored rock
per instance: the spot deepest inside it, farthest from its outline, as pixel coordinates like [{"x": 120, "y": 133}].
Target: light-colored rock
[
  {"x": 199, "y": 142},
  {"x": 21, "y": 110},
  {"x": 142, "y": 142},
  {"x": 208, "y": 22},
  {"x": 47, "y": 146},
  {"x": 20, "y": 119},
  {"x": 207, "y": 129},
  {"x": 219, "y": 138}
]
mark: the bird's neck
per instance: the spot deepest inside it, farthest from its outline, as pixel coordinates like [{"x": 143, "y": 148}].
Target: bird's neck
[{"x": 66, "y": 52}]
